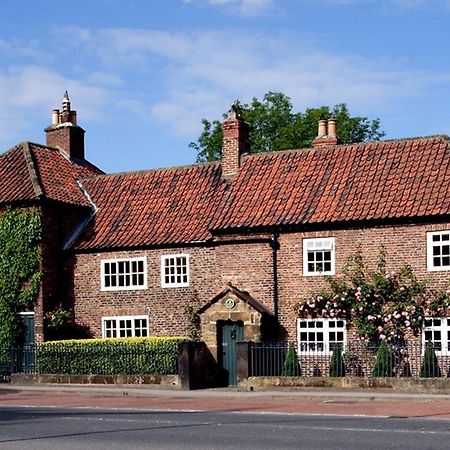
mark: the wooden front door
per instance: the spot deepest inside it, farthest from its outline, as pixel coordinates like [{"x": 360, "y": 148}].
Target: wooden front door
[{"x": 229, "y": 333}]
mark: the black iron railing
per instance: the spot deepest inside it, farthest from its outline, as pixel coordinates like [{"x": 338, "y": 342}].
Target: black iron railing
[{"x": 356, "y": 359}]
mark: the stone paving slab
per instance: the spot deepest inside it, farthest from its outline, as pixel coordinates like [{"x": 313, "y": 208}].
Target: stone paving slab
[{"x": 299, "y": 401}]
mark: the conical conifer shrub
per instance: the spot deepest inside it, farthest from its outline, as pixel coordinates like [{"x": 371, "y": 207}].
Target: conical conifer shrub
[
  {"x": 430, "y": 364},
  {"x": 384, "y": 362},
  {"x": 337, "y": 365},
  {"x": 291, "y": 366}
]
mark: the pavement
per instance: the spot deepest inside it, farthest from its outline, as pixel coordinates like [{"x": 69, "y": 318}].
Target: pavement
[{"x": 360, "y": 402}]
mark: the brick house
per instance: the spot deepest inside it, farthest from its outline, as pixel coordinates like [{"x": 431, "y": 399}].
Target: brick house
[{"x": 239, "y": 241}]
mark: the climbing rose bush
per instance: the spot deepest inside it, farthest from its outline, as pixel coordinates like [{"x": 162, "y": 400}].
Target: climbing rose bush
[{"x": 383, "y": 305}]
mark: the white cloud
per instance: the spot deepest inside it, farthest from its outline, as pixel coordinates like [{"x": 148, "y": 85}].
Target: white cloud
[
  {"x": 178, "y": 78},
  {"x": 30, "y": 91},
  {"x": 404, "y": 4},
  {"x": 244, "y": 7},
  {"x": 198, "y": 74}
]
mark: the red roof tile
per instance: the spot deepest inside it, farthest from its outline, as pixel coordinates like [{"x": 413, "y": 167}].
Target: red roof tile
[
  {"x": 153, "y": 207},
  {"x": 378, "y": 180},
  {"x": 372, "y": 181},
  {"x": 30, "y": 171}
]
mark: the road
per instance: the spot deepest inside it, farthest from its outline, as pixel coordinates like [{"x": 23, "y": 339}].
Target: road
[{"x": 89, "y": 428}]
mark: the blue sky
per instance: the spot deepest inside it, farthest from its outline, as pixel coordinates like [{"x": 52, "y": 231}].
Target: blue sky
[{"x": 142, "y": 74}]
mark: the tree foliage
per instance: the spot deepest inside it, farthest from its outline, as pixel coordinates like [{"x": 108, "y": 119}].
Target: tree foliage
[
  {"x": 275, "y": 126},
  {"x": 20, "y": 234}
]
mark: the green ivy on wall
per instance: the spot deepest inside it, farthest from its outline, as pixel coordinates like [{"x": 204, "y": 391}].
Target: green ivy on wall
[
  {"x": 20, "y": 275},
  {"x": 383, "y": 305}
]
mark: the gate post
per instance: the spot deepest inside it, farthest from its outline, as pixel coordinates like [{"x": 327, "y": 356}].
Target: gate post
[
  {"x": 184, "y": 364},
  {"x": 242, "y": 360}
]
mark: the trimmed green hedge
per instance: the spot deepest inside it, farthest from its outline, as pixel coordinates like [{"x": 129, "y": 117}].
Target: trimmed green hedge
[{"x": 127, "y": 356}]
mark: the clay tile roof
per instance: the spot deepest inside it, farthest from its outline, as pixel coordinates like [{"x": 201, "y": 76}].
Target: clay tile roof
[
  {"x": 371, "y": 181},
  {"x": 30, "y": 171},
  {"x": 153, "y": 207},
  {"x": 348, "y": 183}
]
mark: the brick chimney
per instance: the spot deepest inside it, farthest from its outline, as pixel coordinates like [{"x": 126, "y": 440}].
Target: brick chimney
[
  {"x": 326, "y": 134},
  {"x": 235, "y": 142},
  {"x": 64, "y": 133}
]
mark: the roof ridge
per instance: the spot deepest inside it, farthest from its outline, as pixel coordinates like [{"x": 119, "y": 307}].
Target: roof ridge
[
  {"x": 157, "y": 169},
  {"x": 65, "y": 155},
  {"x": 29, "y": 160},
  {"x": 445, "y": 137}
]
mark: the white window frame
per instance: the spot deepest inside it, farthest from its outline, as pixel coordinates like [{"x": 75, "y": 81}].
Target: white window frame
[
  {"x": 116, "y": 261},
  {"x": 430, "y": 246},
  {"x": 326, "y": 328},
  {"x": 117, "y": 328},
  {"x": 176, "y": 284},
  {"x": 316, "y": 245},
  {"x": 443, "y": 327}
]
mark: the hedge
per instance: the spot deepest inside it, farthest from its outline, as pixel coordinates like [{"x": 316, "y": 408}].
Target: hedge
[{"x": 127, "y": 356}]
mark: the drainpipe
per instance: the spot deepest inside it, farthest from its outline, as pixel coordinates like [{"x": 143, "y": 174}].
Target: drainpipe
[{"x": 275, "y": 245}]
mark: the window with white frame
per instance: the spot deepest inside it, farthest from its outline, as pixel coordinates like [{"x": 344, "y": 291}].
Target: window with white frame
[
  {"x": 124, "y": 326},
  {"x": 175, "y": 270},
  {"x": 321, "y": 335},
  {"x": 318, "y": 256},
  {"x": 438, "y": 250},
  {"x": 125, "y": 273},
  {"x": 437, "y": 331}
]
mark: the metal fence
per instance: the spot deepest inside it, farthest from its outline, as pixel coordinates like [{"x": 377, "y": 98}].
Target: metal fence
[
  {"x": 356, "y": 359},
  {"x": 17, "y": 360}
]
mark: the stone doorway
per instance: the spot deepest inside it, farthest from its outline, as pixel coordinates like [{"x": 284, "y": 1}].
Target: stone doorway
[{"x": 233, "y": 306}]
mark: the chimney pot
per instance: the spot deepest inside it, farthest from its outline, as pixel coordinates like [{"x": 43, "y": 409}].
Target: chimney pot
[
  {"x": 55, "y": 116},
  {"x": 332, "y": 127},
  {"x": 322, "y": 130},
  {"x": 64, "y": 133},
  {"x": 326, "y": 135}
]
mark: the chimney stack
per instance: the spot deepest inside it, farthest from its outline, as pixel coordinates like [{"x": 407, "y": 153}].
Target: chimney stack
[
  {"x": 235, "y": 142},
  {"x": 64, "y": 133},
  {"x": 326, "y": 134}
]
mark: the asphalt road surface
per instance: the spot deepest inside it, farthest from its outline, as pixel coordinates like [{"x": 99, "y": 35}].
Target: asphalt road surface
[{"x": 86, "y": 428}]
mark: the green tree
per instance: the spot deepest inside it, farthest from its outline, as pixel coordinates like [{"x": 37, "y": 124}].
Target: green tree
[
  {"x": 384, "y": 362},
  {"x": 274, "y": 126},
  {"x": 291, "y": 366},
  {"x": 430, "y": 365}
]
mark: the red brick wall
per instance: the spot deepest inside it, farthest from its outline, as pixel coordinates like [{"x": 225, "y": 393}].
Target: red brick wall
[
  {"x": 69, "y": 138},
  {"x": 404, "y": 244},
  {"x": 248, "y": 266},
  {"x": 235, "y": 143},
  {"x": 58, "y": 221}
]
